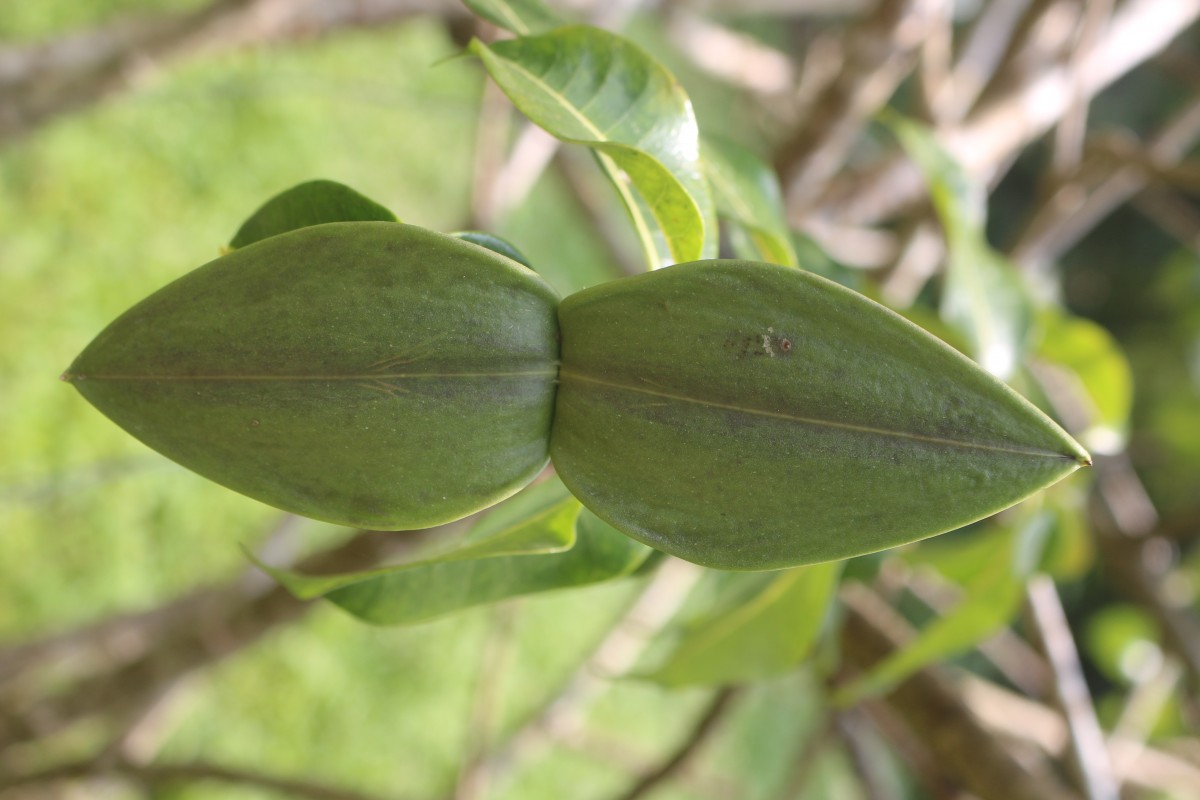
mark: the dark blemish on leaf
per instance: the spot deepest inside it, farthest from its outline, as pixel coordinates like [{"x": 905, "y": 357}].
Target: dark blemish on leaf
[{"x": 785, "y": 345}]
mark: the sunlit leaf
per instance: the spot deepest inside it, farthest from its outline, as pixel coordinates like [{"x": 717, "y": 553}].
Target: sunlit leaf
[
  {"x": 311, "y": 203},
  {"x": 747, "y": 195},
  {"x": 495, "y": 244},
  {"x": 371, "y": 374},
  {"x": 592, "y": 87},
  {"x": 490, "y": 566},
  {"x": 767, "y": 635},
  {"x": 1070, "y": 548},
  {"x": 1085, "y": 357},
  {"x": 1123, "y": 642},
  {"x": 982, "y": 293},
  {"x": 519, "y": 16},
  {"x": 750, "y": 416},
  {"x": 992, "y": 598}
]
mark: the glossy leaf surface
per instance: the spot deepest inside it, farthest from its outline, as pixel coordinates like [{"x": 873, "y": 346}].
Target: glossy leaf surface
[
  {"x": 767, "y": 635},
  {"x": 370, "y": 374},
  {"x": 311, "y": 203},
  {"x": 500, "y": 559},
  {"x": 748, "y": 197},
  {"x": 592, "y": 87},
  {"x": 519, "y": 16},
  {"x": 750, "y": 416}
]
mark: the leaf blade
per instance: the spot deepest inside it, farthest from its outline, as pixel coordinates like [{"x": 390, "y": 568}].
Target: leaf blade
[
  {"x": 992, "y": 598},
  {"x": 522, "y": 17},
  {"x": 983, "y": 296},
  {"x": 369, "y": 374},
  {"x": 1090, "y": 361},
  {"x": 747, "y": 194},
  {"x": 587, "y": 86},
  {"x": 737, "y": 398},
  {"x": 413, "y": 593},
  {"x": 768, "y": 635},
  {"x": 311, "y": 203}
]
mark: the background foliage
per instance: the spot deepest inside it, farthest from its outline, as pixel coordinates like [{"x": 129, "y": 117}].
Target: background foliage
[{"x": 100, "y": 538}]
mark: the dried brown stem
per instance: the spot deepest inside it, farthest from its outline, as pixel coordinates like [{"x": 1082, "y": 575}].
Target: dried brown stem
[
  {"x": 1018, "y": 718},
  {"x": 1072, "y": 128},
  {"x": 493, "y": 668},
  {"x": 1108, "y": 177},
  {"x": 733, "y": 57},
  {"x": 562, "y": 716},
  {"x": 1009, "y": 121},
  {"x": 158, "y": 776},
  {"x": 811, "y": 751},
  {"x": 980, "y": 57},
  {"x": 932, "y": 708},
  {"x": 1088, "y": 751},
  {"x": 46, "y": 80},
  {"x": 1130, "y": 563},
  {"x": 620, "y": 755},
  {"x": 1011, "y": 655},
  {"x": 701, "y": 732},
  {"x": 855, "y": 733},
  {"x": 1126, "y": 525},
  {"x": 880, "y": 51},
  {"x": 1171, "y": 212},
  {"x": 210, "y": 635}
]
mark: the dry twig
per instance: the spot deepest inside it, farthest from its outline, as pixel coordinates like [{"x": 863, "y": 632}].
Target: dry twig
[
  {"x": 151, "y": 777},
  {"x": 1088, "y": 750},
  {"x": 212, "y": 634},
  {"x": 880, "y": 52},
  {"x": 701, "y": 732},
  {"x": 562, "y": 716},
  {"x": 1005, "y": 124},
  {"x": 43, "y": 81},
  {"x": 933, "y": 710}
]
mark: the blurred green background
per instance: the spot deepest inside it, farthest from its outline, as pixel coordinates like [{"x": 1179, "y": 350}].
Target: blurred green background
[{"x": 100, "y": 208}]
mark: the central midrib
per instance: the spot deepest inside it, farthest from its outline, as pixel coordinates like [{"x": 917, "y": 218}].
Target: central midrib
[
  {"x": 567, "y": 374},
  {"x": 362, "y": 376}
]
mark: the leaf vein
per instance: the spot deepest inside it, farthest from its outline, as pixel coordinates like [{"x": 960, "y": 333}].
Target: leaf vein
[{"x": 565, "y": 375}]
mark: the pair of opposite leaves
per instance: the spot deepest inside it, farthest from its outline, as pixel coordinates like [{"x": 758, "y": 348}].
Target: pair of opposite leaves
[{"x": 736, "y": 414}]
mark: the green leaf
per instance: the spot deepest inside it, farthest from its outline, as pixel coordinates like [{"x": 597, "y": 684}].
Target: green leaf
[
  {"x": 747, "y": 195},
  {"x": 491, "y": 567},
  {"x": 312, "y": 203},
  {"x": 522, "y": 17},
  {"x": 370, "y": 374},
  {"x": 982, "y": 294},
  {"x": 765, "y": 636},
  {"x": 1123, "y": 641},
  {"x": 992, "y": 599},
  {"x": 591, "y": 87},
  {"x": 495, "y": 244},
  {"x": 1084, "y": 354},
  {"x": 539, "y": 519},
  {"x": 750, "y": 416}
]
